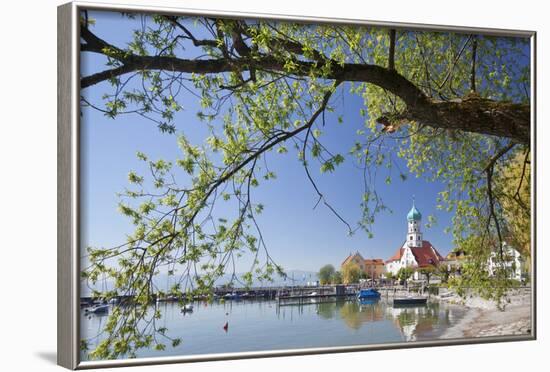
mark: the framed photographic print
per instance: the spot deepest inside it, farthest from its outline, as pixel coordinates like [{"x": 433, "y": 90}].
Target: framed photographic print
[{"x": 239, "y": 185}]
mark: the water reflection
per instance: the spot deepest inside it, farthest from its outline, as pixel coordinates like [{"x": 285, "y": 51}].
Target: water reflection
[
  {"x": 417, "y": 320},
  {"x": 355, "y": 314},
  {"x": 327, "y": 310},
  {"x": 413, "y": 322},
  {"x": 263, "y": 325}
]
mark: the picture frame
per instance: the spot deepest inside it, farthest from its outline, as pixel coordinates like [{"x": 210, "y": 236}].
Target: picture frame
[{"x": 70, "y": 186}]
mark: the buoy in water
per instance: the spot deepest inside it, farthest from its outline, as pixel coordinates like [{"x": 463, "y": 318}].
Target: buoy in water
[{"x": 226, "y": 326}]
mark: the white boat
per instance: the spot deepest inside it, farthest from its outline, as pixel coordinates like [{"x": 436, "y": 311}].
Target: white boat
[
  {"x": 97, "y": 309},
  {"x": 187, "y": 308},
  {"x": 233, "y": 296},
  {"x": 445, "y": 295}
]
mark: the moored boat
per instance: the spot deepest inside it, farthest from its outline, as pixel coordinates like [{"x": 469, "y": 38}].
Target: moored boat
[
  {"x": 232, "y": 296},
  {"x": 404, "y": 301},
  {"x": 369, "y": 293},
  {"x": 187, "y": 308},
  {"x": 97, "y": 309}
]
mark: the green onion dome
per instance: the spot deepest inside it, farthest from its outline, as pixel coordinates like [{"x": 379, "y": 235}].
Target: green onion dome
[{"x": 414, "y": 214}]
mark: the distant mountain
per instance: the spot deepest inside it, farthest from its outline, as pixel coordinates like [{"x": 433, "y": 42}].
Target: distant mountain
[
  {"x": 293, "y": 277},
  {"x": 163, "y": 281}
]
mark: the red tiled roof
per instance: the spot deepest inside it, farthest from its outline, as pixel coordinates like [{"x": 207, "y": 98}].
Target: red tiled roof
[
  {"x": 397, "y": 255},
  {"x": 425, "y": 255}
]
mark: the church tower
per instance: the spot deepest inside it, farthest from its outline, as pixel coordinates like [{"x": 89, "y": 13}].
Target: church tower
[{"x": 414, "y": 235}]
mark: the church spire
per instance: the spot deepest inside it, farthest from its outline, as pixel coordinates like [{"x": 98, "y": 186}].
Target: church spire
[
  {"x": 414, "y": 235},
  {"x": 414, "y": 214}
]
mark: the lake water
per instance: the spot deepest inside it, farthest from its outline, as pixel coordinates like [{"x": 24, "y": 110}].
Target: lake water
[{"x": 262, "y": 325}]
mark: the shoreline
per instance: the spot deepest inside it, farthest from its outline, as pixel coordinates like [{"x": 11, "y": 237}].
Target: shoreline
[{"x": 484, "y": 319}]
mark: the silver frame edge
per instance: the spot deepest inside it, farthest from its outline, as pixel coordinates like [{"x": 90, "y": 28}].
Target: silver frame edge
[
  {"x": 296, "y": 352},
  {"x": 67, "y": 187},
  {"x": 68, "y": 179}
]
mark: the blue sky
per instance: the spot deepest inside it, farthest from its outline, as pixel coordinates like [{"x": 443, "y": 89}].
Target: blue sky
[{"x": 297, "y": 236}]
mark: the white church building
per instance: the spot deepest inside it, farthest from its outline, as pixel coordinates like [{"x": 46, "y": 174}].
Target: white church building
[{"x": 415, "y": 252}]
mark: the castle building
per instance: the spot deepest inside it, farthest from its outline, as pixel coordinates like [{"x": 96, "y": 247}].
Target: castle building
[{"x": 415, "y": 252}]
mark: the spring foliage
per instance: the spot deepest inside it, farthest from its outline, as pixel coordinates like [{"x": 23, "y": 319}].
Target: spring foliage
[{"x": 263, "y": 88}]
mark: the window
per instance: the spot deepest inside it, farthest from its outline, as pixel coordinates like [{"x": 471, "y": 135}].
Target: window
[{"x": 411, "y": 238}]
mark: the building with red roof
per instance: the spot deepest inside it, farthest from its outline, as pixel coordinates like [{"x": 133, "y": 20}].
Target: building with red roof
[
  {"x": 415, "y": 252},
  {"x": 374, "y": 267}
]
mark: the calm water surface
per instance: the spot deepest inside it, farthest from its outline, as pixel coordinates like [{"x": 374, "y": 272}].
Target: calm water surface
[{"x": 262, "y": 325}]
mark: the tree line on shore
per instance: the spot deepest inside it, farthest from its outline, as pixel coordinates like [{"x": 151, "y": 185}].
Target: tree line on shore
[{"x": 351, "y": 273}]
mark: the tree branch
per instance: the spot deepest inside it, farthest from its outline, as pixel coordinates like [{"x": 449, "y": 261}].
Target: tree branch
[
  {"x": 502, "y": 119},
  {"x": 269, "y": 144},
  {"x": 391, "y": 56},
  {"x": 451, "y": 69},
  {"x": 311, "y": 180},
  {"x": 473, "y": 71},
  {"x": 517, "y": 195},
  {"x": 489, "y": 169},
  {"x": 492, "y": 213},
  {"x": 498, "y": 155},
  {"x": 194, "y": 40}
]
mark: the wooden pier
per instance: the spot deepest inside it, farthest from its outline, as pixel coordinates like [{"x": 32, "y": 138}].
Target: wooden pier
[
  {"x": 230, "y": 294},
  {"x": 311, "y": 299},
  {"x": 285, "y": 296},
  {"x": 309, "y": 295}
]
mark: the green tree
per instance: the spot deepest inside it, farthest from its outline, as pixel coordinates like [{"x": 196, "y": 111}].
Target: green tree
[
  {"x": 351, "y": 273},
  {"x": 389, "y": 275},
  {"x": 325, "y": 274},
  {"x": 428, "y": 271},
  {"x": 513, "y": 184},
  {"x": 475, "y": 276},
  {"x": 404, "y": 274},
  {"x": 454, "y": 106},
  {"x": 336, "y": 278},
  {"x": 445, "y": 271}
]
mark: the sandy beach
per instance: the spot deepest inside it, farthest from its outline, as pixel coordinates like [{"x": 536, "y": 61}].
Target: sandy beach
[{"x": 484, "y": 318}]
